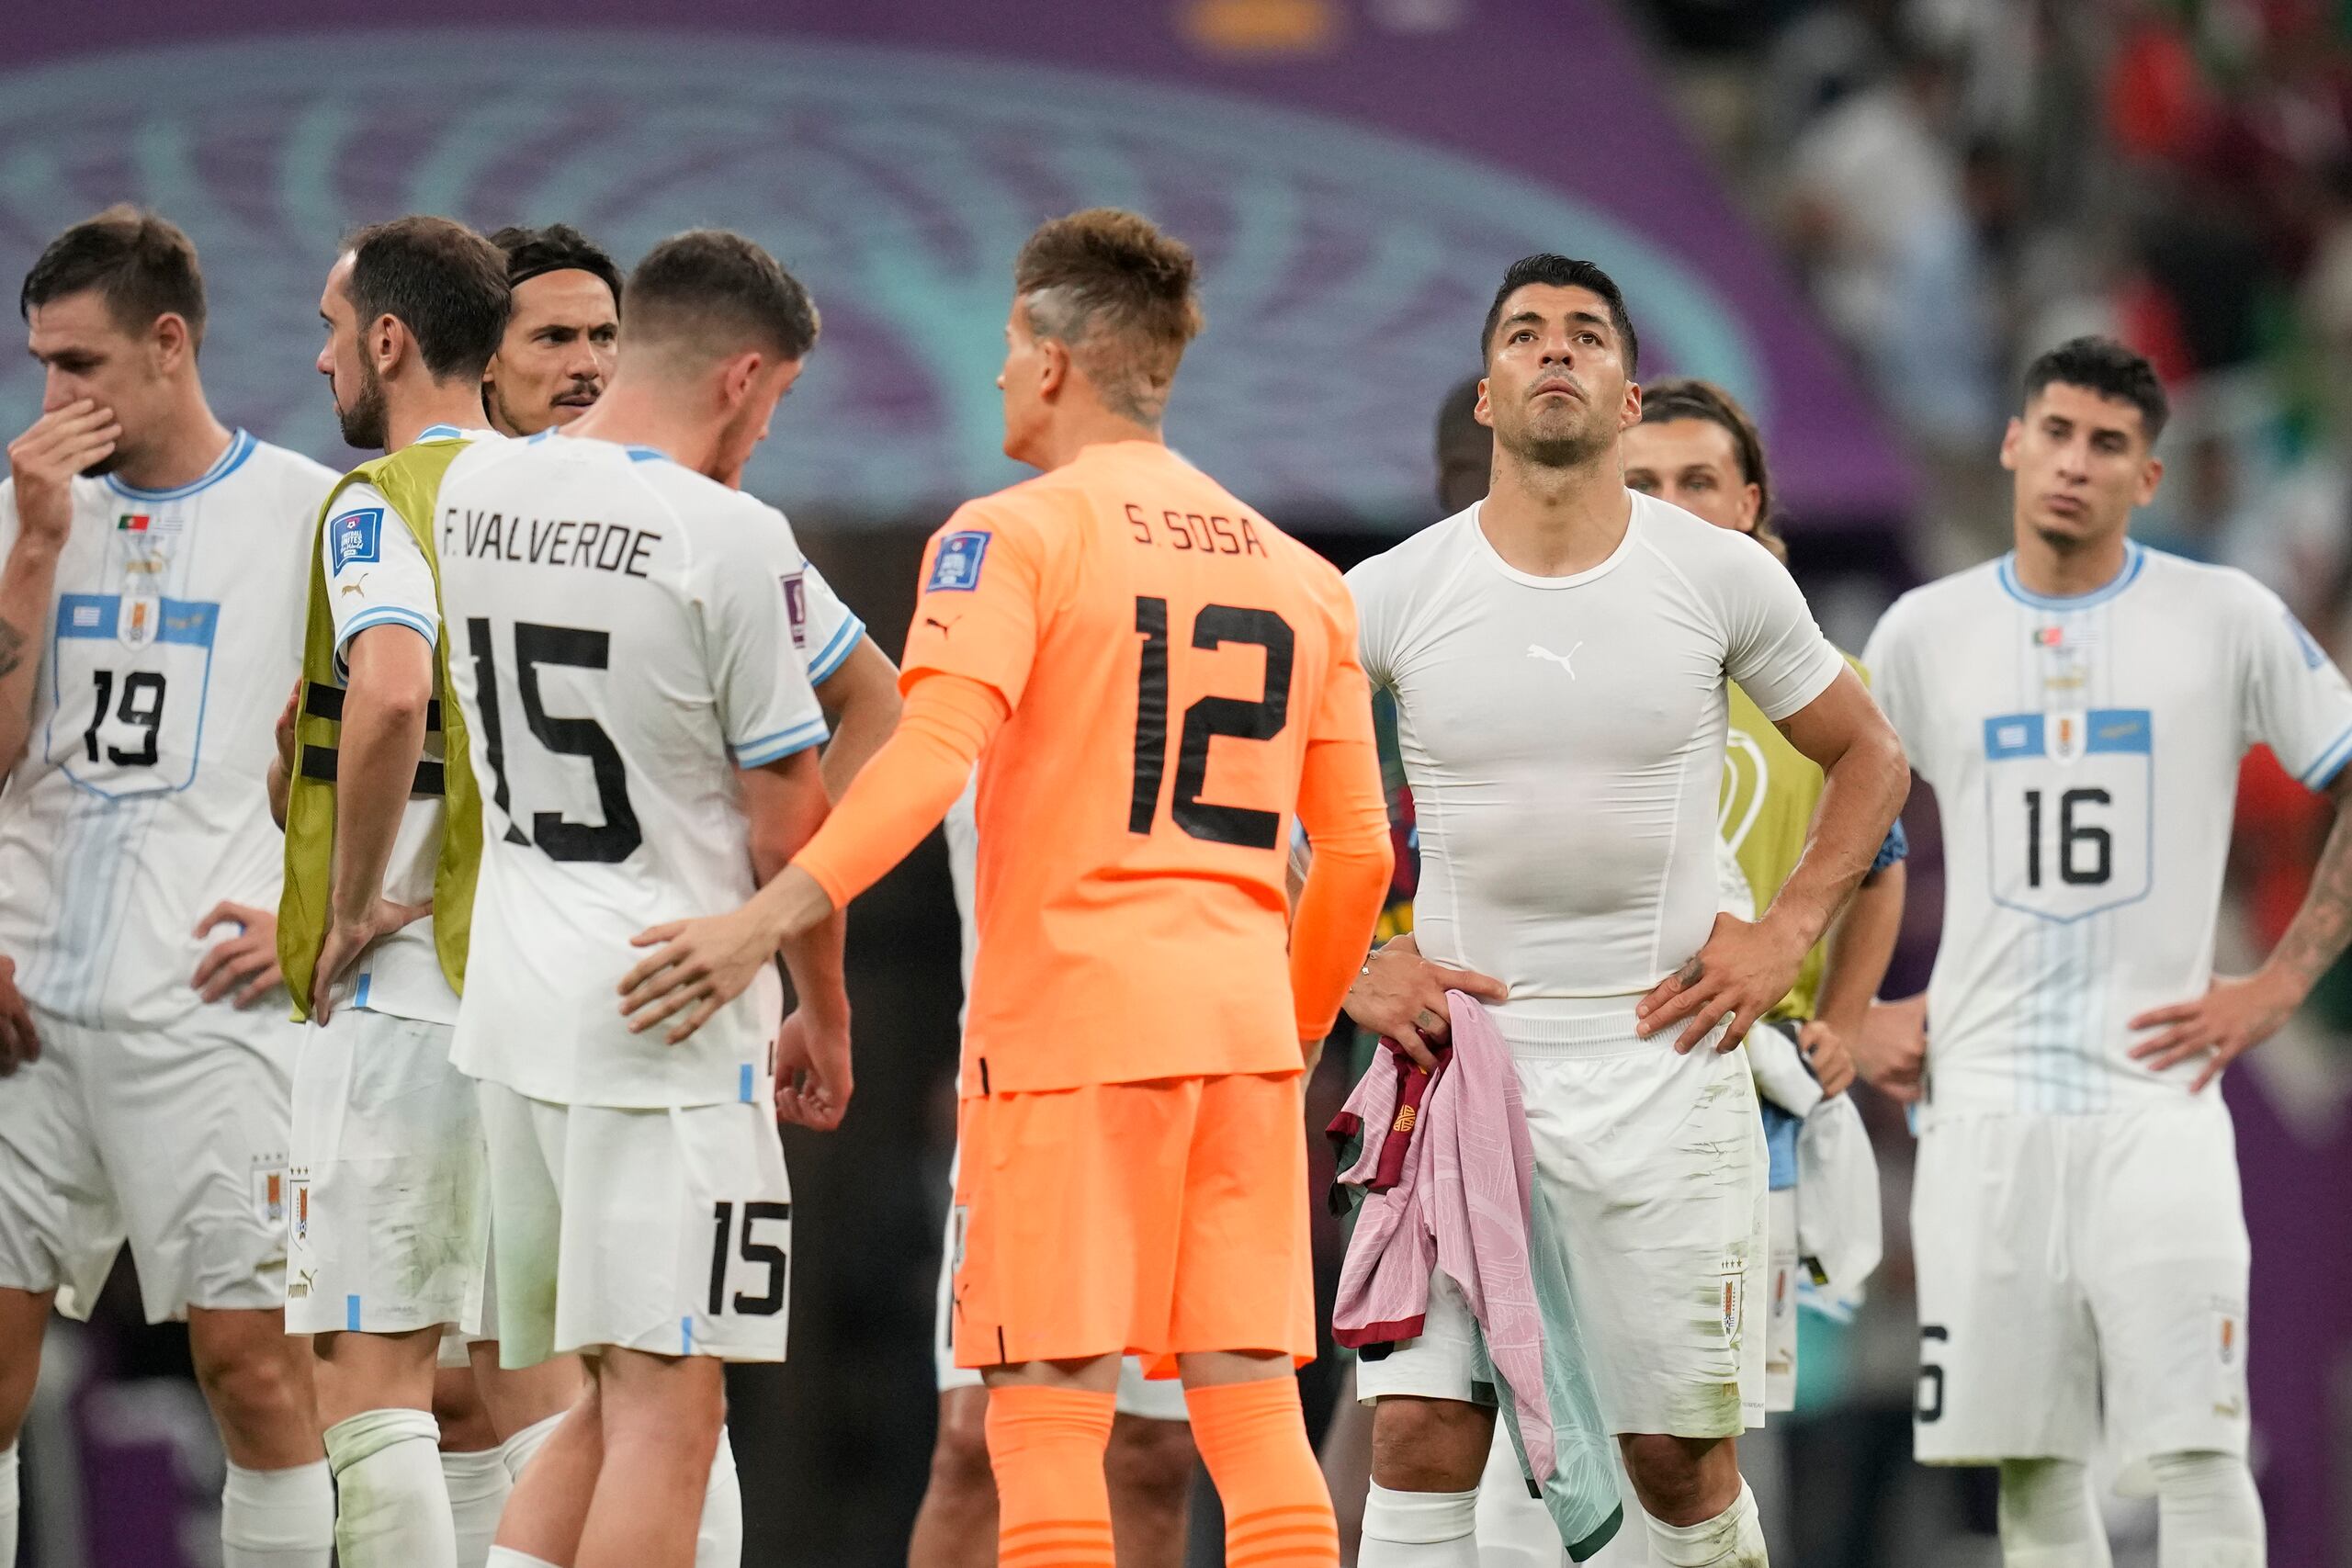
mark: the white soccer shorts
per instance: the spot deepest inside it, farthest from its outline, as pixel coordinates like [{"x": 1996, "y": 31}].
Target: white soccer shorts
[
  {"x": 389, "y": 1186},
  {"x": 663, "y": 1231},
  {"x": 2071, "y": 1264},
  {"x": 1154, "y": 1399},
  {"x": 175, "y": 1140},
  {"x": 1650, "y": 1174},
  {"x": 1780, "y": 1304}
]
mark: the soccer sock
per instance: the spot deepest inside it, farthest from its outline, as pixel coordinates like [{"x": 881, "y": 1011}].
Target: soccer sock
[
  {"x": 718, "y": 1540},
  {"x": 508, "y": 1557},
  {"x": 2208, "y": 1513},
  {"x": 1053, "y": 1503},
  {"x": 1515, "y": 1531},
  {"x": 1252, "y": 1437},
  {"x": 2048, "y": 1517},
  {"x": 1418, "y": 1529},
  {"x": 477, "y": 1485},
  {"x": 9, "y": 1506},
  {"x": 277, "y": 1519},
  {"x": 1733, "y": 1538},
  {"x": 392, "y": 1506},
  {"x": 517, "y": 1449}
]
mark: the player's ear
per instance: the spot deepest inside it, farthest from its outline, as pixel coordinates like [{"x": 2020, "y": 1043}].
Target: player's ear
[
  {"x": 2009, "y": 439},
  {"x": 1482, "y": 413},
  {"x": 736, "y": 378},
  {"x": 387, "y": 340},
  {"x": 2152, "y": 474},
  {"x": 1631, "y": 415},
  {"x": 169, "y": 342},
  {"x": 1053, "y": 367}
]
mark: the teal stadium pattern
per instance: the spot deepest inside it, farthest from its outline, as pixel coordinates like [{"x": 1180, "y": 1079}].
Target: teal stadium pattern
[{"x": 1346, "y": 268}]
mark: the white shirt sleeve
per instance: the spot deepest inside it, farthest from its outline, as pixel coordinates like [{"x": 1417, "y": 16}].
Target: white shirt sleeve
[
  {"x": 1367, "y": 584},
  {"x": 1773, "y": 647},
  {"x": 752, "y": 592},
  {"x": 376, "y": 574},
  {"x": 2294, "y": 699},
  {"x": 829, "y": 628}
]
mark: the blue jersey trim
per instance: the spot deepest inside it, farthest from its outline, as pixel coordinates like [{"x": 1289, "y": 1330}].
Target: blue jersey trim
[
  {"x": 829, "y": 658},
  {"x": 241, "y": 447},
  {"x": 440, "y": 433},
  {"x": 647, "y": 455},
  {"x": 783, "y": 743},
  {"x": 359, "y": 996},
  {"x": 351, "y": 1314},
  {"x": 744, "y": 1082},
  {"x": 2322, "y": 773},
  {"x": 2134, "y": 559}
]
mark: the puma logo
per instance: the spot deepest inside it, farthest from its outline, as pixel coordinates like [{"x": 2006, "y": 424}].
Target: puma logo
[
  {"x": 357, "y": 588},
  {"x": 944, "y": 627},
  {"x": 1565, "y": 660}
]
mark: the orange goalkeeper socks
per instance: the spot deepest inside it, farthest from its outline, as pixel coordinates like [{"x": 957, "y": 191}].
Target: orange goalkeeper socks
[
  {"x": 1253, "y": 1439},
  {"x": 1053, "y": 1506}
]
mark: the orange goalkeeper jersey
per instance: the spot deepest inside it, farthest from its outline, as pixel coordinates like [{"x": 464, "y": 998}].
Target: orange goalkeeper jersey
[{"x": 1178, "y": 672}]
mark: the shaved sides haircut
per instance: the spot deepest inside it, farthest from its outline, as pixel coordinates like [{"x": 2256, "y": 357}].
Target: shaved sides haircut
[
  {"x": 708, "y": 294},
  {"x": 1118, "y": 294}
]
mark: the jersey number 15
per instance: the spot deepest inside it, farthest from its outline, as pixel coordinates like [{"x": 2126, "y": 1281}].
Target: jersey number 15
[{"x": 559, "y": 838}]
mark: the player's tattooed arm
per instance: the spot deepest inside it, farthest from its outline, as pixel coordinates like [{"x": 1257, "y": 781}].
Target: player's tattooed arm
[
  {"x": 2237, "y": 1013},
  {"x": 41, "y": 466}
]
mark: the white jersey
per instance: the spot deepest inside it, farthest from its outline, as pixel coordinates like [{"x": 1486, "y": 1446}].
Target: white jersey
[
  {"x": 141, "y": 798},
  {"x": 378, "y": 576},
  {"x": 2084, "y": 753},
  {"x": 633, "y": 632},
  {"x": 1563, "y": 739}
]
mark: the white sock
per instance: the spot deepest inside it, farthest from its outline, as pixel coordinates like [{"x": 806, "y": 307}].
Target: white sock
[
  {"x": 478, "y": 1486},
  {"x": 1418, "y": 1529},
  {"x": 2048, "y": 1519},
  {"x": 517, "y": 1449},
  {"x": 1514, "y": 1530},
  {"x": 1733, "y": 1538},
  {"x": 2208, "y": 1513},
  {"x": 508, "y": 1557},
  {"x": 718, "y": 1540},
  {"x": 277, "y": 1519},
  {"x": 392, "y": 1506},
  {"x": 9, "y": 1506}
]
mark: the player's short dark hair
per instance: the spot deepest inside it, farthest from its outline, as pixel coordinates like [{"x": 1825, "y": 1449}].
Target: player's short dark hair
[
  {"x": 439, "y": 280},
  {"x": 719, "y": 293},
  {"x": 1563, "y": 272},
  {"x": 2103, "y": 365},
  {"x": 1687, "y": 397},
  {"x": 1120, "y": 295},
  {"x": 143, "y": 265},
  {"x": 559, "y": 247}
]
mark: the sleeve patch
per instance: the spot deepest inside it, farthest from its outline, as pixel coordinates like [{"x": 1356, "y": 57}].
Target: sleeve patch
[
  {"x": 356, "y": 537},
  {"x": 957, "y": 568},
  {"x": 796, "y": 607}
]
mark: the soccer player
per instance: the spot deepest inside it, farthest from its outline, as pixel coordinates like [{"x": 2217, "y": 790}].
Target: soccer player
[
  {"x": 2079, "y": 707},
  {"x": 1560, "y": 654},
  {"x": 1149, "y": 1460},
  {"x": 391, "y": 1203},
  {"x": 640, "y": 721},
  {"x": 148, "y": 605},
  {"x": 557, "y": 354},
  {"x": 1154, "y": 680},
  {"x": 551, "y": 369}
]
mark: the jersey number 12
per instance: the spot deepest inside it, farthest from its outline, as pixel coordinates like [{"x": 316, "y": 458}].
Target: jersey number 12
[{"x": 1216, "y": 625}]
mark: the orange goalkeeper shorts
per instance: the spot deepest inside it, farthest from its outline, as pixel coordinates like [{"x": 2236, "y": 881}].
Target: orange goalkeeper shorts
[{"x": 1145, "y": 1219}]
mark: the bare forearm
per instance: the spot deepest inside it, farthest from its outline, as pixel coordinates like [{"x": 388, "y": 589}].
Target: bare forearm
[
  {"x": 2317, "y": 935},
  {"x": 860, "y": 701},
  {"x": 375, "y": 771},
  {"x": 813, "y": 960},
  {"x": 1861, "y": 944},
  {"x": 1863, "y": 792},
  {"x": 280, "y": 786},
  {"x": 28, "y": 584}
]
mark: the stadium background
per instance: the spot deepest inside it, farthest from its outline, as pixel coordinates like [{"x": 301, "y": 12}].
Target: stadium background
[{"x": 1860, "y": 215}]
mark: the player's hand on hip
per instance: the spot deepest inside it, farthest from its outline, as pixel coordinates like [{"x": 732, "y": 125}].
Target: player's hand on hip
[
  {"x": 697, "y": 967},
  {"x": 1741, "y": 973},
  {"x": 18, "y": 1044},
  {"x": 347, "y": 938},
  {"x": 1824, "y": 1051},
  {"x": 2234, "y": 1016},
  {"x": 1891, "y": 1052},
  {"x": 245, "y": 961},
  {"x": 44, "y": 460},
  {"x": 1400, "y": 997},
  {"x": 812, "y": 1072}
]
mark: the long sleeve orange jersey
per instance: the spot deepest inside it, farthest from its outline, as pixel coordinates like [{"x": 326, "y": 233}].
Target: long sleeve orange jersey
[{"x": 1154, "y": 681}]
